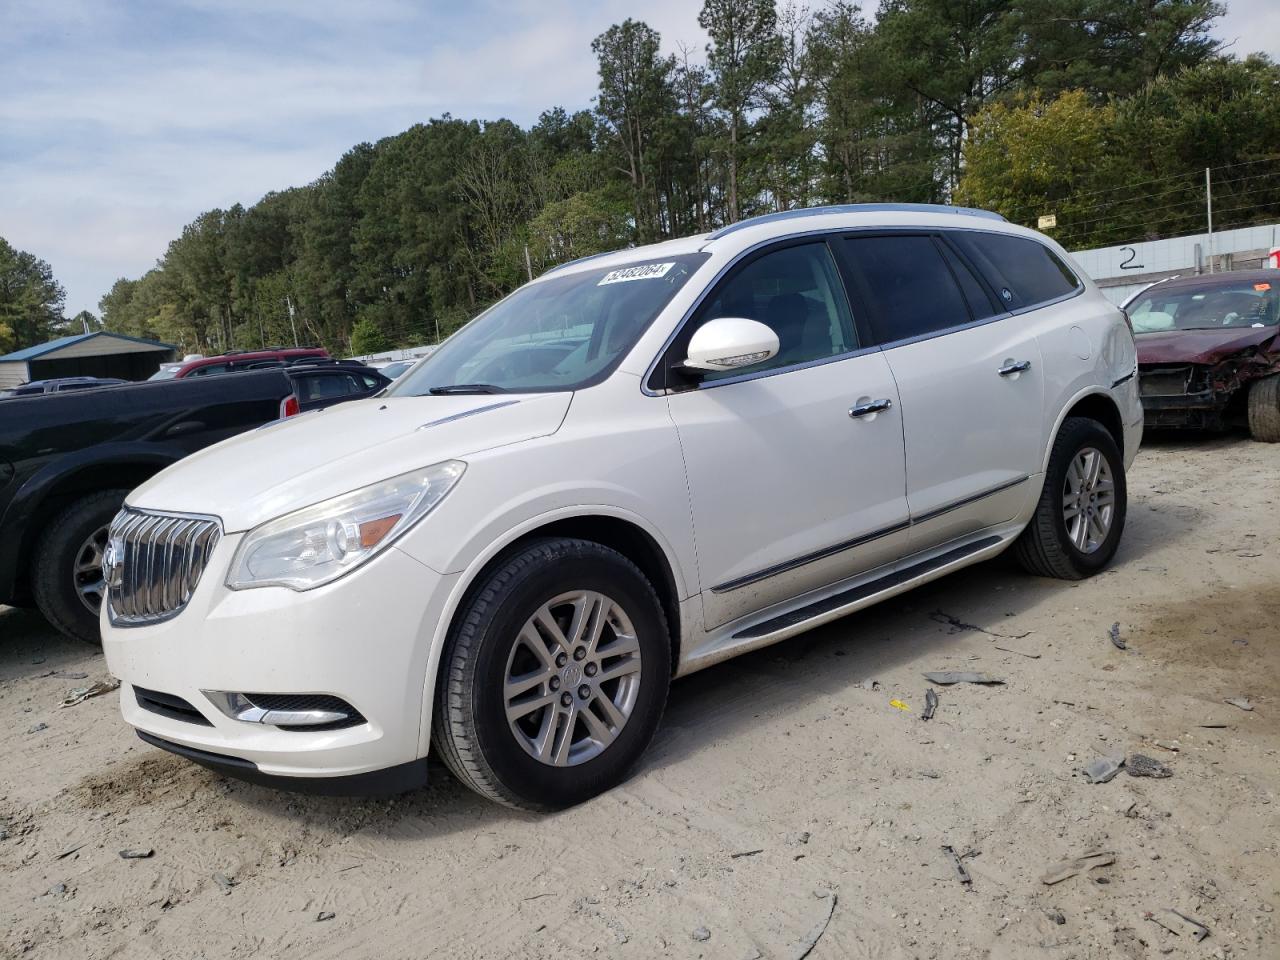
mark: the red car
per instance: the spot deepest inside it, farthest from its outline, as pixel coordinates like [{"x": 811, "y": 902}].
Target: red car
[
  {"x": 1209, "y": 352},
  {"x": 237, "y": 360}
]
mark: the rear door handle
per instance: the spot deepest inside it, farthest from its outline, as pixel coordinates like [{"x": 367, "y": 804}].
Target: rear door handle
[
  {"x": 1018, "y": 366},
  {"x": 866, "y": 409}
]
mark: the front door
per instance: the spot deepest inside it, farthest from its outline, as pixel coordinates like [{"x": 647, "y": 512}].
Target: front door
[{"x": 789, "y": 490}]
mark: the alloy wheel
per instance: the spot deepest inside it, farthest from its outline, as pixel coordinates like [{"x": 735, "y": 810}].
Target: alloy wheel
[
  {"x": 87, "y": 576},
  {"x": 1088, "y": 500},
  {"x": 572, "y": 678}
]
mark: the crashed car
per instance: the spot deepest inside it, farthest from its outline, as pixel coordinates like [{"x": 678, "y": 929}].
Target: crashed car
[{"x": 1209, "y": 352}]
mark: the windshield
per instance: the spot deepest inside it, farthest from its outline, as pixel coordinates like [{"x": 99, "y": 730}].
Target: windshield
[
  {"x": 165, "y": 373},
  {"x": 393, "y": 370},
  {"x": 559, "y": 333},
  {"x": 1252, "y": 303}
]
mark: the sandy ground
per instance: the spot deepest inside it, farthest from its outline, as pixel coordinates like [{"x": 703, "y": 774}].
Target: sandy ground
[{"x": 780, "y": 795}]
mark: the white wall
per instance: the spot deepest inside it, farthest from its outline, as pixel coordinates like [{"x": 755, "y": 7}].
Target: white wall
[{"x": 12, "y": 373}]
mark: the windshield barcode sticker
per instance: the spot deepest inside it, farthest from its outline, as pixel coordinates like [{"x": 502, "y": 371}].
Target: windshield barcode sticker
[{"x": 649, "y": 271}]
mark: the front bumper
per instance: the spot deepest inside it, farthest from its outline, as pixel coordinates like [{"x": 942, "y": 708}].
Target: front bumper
[
  {"x": 364, "y": 638},
  {"x": 1181, "y": 396}
]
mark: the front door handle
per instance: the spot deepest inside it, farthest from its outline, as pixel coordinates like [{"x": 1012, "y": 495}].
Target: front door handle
[
  {"x": 872, "y": 406},
  {"x": 1017, "y": 366}
]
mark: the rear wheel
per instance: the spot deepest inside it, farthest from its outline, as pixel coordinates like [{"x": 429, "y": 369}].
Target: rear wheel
[
  {"x": 66, "y": 573},
  {"x": 554, "y": 677},
  {"x": 1264, "y": 409},
  {"x": 1080, "y": 516}
]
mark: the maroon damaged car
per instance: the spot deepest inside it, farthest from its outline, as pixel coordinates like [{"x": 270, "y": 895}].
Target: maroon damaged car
[{"x": 1209, "y": 352}]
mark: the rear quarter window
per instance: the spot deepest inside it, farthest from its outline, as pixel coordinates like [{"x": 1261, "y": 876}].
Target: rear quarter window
[{"x": 1024, "y": 272}]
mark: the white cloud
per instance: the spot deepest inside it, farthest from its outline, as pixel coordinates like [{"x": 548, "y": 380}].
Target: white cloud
[{"x": 127, "y": 122}]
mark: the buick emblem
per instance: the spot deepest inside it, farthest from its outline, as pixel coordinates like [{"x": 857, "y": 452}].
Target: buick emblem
[{"x": 113, "y": 564}]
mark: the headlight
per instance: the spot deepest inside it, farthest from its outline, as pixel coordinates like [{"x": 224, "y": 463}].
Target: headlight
[{"x": 318, "y": 544}]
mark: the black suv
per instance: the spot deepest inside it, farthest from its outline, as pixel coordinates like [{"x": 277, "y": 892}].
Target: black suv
[{"x": 67, "y": 460}]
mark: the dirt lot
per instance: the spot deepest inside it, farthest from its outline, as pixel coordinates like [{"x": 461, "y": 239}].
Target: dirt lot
[{"x": 781, "y": 794}]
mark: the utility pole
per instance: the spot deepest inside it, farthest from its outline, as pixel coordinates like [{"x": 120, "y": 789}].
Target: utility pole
[
  {"x": 292, "y": 326},
  {"x": 1208, "y": 209},
  {"x": 528, "y": 266}
]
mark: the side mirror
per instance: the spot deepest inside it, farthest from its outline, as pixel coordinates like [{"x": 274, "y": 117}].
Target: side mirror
[{"x": 730, "y": 343}]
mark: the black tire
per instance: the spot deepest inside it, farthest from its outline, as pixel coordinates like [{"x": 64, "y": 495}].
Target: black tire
[
  {"x": 54, "y": 562},
  {"x": 1264, "y": 409},
  {"x": 470, "y": 732},
  {"x": 1045, "y": 548}
]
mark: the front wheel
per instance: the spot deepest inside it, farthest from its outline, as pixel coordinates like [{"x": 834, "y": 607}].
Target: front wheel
[
  {"x": 66, "y": 574},
  {"x": 554, "y": 676},
  {"x": 1264, "y": 409},
  {"x": 1078, "y": 521}
]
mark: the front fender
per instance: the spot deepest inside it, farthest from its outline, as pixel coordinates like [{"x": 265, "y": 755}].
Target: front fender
[{"x": 17, "y": 528}]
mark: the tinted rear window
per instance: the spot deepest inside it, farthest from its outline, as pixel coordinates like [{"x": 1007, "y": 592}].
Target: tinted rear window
[
  {"x": 1024, "y": 272},
  {"x": 909, "y": 287}
]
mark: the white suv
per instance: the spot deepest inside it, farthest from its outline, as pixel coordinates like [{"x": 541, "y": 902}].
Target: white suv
[{"x": 634, "y": 467}]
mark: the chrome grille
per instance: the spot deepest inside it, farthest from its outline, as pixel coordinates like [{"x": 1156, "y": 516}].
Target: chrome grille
[{"x": 153, "y": 563}]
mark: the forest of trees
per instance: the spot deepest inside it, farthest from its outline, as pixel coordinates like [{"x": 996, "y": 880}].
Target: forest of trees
[{"x": 1104, "y": 112}]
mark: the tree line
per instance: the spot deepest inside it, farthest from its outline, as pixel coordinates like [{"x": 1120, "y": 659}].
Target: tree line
[{"x": 1103, "y": 112}]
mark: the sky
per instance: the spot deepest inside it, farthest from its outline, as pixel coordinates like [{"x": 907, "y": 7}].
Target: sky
[{"x": 121, "y": 120}]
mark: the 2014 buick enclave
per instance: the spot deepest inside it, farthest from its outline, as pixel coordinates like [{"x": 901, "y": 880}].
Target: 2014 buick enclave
[{"x": 632, "y": 468}]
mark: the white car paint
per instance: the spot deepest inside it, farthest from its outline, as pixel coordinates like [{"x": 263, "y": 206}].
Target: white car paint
[{"x": 728, "y": 482}]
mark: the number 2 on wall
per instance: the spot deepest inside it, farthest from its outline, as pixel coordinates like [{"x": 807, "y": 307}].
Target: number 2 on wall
[{"x": 1127, "y": 263}]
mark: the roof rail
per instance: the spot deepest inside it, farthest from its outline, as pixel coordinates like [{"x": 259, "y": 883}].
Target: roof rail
[
  {"x": 571, "y": 263},
  {"x": 854, "y": 208}
]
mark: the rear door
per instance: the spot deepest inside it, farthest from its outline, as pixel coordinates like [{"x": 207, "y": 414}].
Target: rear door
[
  {"x": 968, "y": 373},
  {"x": 795, "y": 467}
]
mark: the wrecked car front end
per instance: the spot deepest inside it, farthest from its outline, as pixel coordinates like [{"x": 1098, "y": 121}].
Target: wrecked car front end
[
  {"x": 1202, "y": 343},
  {"x": 1204, "y": 395}
]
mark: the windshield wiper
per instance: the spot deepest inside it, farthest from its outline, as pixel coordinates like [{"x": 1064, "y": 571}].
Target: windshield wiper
[{"x": 465, "y": 388}]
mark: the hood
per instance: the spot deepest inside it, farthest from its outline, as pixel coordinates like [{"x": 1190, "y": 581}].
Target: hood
[
  {"x": 286, "y": 465},
  {"x": 1199, "y": 346}
]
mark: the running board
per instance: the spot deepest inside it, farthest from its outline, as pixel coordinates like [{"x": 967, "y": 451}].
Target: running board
[{"x": 855, "y": 595}]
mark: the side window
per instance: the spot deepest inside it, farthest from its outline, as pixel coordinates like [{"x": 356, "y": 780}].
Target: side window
[
  {"x": 325, "y": 387},
  {"x": 797, "y": 292},
  {"x": 209, "y": 370},
  {"x": 980, "y": 303},
  {"x": 1024, "y": 272},
  {"x": 908, "y": 285}
]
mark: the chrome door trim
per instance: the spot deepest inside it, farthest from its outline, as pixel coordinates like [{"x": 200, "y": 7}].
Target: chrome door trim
[
  {"x": 808, "y": 558},
  {"x": 956, "y": 505},
  {"x": 788, "y": 565}
]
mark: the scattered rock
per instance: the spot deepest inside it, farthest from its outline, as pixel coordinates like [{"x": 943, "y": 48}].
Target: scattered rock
[
  {"x": 225, "y": 882},
  {"x": 38, "y": 727},
  {"x": 325, "y": 915},
  {"x": 745, "y": 853},
  {"x": 1140, "y": 765},
  {"x": 1056, "y": 915},
  {"x": 701, "y": 934},
  {"x": 142, "y": 854},
  {"x": 1115, "y": 638},
  {"x": 1243, "y": 703},
  {"x": 930, "y": 704},
  {"x": 869, "y": 684}
]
